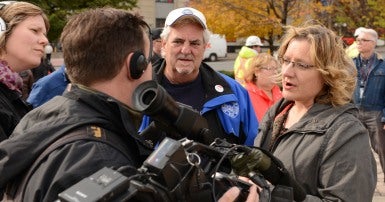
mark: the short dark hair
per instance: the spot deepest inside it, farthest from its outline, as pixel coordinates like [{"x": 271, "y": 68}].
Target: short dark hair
[{"x": 97, "y": 41}]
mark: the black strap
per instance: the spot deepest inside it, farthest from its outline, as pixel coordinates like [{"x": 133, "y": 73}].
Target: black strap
[{"x": 15, "y": 191}]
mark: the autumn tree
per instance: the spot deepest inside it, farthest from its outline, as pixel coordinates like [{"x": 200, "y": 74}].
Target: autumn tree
[
  {"x": 361, "y": 13},
  {"x": 59, "y": 10},
  {"x": 264, "y": 18}
]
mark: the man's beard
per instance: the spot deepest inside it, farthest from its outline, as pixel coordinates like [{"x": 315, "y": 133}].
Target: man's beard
[{"x": 184, "y": 70}]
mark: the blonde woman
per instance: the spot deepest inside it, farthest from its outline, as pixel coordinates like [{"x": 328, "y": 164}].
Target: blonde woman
[
  {"x": 314, "y": 130},
  {"x": 261, "y": 83},
  {"x": 23, "y": 37}
]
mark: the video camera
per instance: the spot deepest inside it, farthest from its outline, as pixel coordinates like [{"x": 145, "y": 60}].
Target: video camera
[
  {"x": 175, "y": 119},
  {"x": 184, "y": 169}
]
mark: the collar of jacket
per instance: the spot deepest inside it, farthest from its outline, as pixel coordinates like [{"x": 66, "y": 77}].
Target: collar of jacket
[
  {"x": 378, "y": 56},
  {"x": 108, "y": 106},
  {"x": 213, "y": 82},
  {"x": 317, "y": 120},
  {"x": 117, "y": 117}
]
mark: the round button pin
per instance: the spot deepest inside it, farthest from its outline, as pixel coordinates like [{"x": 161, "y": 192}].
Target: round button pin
[{"x": 219, "y": 88}]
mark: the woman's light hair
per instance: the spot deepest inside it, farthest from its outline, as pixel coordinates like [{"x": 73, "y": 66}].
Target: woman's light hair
[
  {"x": 256, "y": 63},
  {"x": 330, "y": 59}
]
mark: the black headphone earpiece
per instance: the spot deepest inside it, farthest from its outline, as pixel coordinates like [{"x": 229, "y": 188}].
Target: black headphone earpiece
[{"x": 138, "y": 65}]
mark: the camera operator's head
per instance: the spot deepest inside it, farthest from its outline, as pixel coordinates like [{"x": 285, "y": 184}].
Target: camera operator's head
[{"x": 107, "y": 49}]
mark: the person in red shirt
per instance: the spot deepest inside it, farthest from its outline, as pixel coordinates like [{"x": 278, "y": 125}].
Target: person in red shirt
[{"x": 261, "y": 83}]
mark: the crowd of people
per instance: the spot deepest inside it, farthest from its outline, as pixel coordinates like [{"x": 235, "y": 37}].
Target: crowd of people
[{"x": 314, "y": 109}]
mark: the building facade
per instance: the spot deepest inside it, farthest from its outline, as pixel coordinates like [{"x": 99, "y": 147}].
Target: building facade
[{"x": 155, "y": 11}]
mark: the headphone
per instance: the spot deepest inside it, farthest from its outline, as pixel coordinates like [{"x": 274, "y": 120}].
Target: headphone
[
  {"x": 3, "y": 25},
  {"x": 139, "y": 62}
]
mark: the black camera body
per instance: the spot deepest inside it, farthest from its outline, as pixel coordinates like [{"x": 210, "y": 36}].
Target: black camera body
[
  {"x": 178, "y": 170},
  {"x": 100, "y": 186}
]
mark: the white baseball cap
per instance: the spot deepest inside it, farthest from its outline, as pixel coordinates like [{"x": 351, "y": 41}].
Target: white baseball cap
[
  {"x": 253, "y": 41},
  {"x": 358, "y": 31},
  {"x": 176, "y": 14}
]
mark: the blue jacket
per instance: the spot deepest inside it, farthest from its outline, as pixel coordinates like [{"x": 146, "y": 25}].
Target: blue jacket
[
  {"x": 231, "y": 107},
  {"x": 48, "y": 87},
  {"x": 373, "y": 97}
]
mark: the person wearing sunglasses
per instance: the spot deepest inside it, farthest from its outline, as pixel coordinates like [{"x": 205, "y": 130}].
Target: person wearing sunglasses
[{"x": 314, "y": 130}]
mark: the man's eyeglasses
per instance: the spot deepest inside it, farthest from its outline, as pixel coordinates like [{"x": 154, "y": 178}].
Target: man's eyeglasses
[
  {"x": 299, "y": 65},
  {"x": 363, "y": 40}
]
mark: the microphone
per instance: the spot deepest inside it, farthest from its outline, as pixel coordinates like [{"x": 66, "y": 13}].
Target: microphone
[{"x": 272, "y": 169}]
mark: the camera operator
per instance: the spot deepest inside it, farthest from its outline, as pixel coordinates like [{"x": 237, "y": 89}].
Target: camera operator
[{"x": 106, "y": 52}]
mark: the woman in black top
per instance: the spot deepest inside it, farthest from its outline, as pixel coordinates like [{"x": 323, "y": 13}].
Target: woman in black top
[{"x": 23, "y": 36}]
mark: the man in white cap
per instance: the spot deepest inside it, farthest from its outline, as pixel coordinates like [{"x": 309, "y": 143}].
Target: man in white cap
[
  {"x": 220, "y": 99},
  {"x": 251, "y": 48},
  {"x": 254, "y": 42}
]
